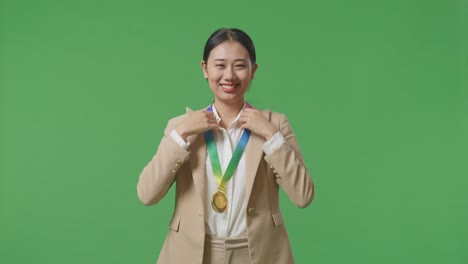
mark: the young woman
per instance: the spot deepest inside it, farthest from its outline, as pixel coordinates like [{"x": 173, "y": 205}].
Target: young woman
[{"x": 228, "y": 162}]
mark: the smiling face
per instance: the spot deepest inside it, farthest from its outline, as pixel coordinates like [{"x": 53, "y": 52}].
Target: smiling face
[{"x": 229, "y": 71}]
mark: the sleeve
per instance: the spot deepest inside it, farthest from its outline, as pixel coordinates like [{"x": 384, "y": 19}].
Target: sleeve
[
  {"x": 177, "y": 138},
  {"x": 273, "y": 143},
  {"x": 159, "y": 174},
  {"x": 288, "y": 166}
]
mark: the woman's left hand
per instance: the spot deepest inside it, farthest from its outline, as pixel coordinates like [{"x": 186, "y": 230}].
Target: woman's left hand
[{"x": 256, "y": 122}]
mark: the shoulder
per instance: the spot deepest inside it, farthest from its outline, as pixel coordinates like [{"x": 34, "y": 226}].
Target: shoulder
[
  {"x": 276, "y": 118},
  {"x": 270, "y": 115},
  {"x": 177, "y": 119}
]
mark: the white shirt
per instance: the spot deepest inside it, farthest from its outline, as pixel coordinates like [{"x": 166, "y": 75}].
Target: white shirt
[{"x": 231, "y": 223}]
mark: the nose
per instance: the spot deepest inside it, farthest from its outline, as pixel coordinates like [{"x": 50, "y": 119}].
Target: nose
[{"x": 229, "y": 74}]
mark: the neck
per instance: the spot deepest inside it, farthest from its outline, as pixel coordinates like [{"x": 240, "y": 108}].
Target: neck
[{"x": 228, "y": 111}]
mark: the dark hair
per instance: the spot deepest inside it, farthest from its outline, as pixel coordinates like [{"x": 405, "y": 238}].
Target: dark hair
[{"x": 224, "y": 34}]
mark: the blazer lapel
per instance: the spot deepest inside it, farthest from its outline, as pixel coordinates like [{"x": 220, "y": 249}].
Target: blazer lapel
[
  {"x": 253, "y": 155},
  {"x": 198, "y": 162}
]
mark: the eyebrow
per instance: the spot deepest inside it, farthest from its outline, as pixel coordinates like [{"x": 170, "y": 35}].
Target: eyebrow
[{"x": 244, "y": 60}]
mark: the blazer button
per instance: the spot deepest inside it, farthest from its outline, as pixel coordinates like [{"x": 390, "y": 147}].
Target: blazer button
[
  {"x": 251, "y": 211},
  {"x": 173, "y": 171}
]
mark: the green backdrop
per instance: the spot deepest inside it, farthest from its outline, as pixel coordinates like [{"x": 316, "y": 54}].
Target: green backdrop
[{"x": 377, "y": 92}]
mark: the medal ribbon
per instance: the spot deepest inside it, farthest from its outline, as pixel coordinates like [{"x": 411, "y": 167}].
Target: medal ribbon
[{"x": 236, "y": 156}]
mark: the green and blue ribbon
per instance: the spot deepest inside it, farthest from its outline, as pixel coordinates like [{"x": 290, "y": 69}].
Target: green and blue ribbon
[{"x": 214, "y": 157}]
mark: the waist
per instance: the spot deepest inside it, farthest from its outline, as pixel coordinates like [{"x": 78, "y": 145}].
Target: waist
[{"x": 227, "y": 243}]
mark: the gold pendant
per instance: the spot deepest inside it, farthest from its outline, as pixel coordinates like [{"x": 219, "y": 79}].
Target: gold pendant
[{"x": 219, "y": 202}]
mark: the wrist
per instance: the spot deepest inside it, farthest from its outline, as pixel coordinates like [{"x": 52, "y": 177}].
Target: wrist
[
  {"x": 182, "y": 133},
  {"x": 270, "y": 132}
]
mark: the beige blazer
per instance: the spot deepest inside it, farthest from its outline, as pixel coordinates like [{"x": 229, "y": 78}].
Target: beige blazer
[{"x": 268, "y": 240}]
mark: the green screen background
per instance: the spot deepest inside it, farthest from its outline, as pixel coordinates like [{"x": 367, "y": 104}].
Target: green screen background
[{"x": 376, "y": 92}]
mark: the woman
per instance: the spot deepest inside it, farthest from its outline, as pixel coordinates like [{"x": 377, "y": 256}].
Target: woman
[{"x": 228, "y": 162}]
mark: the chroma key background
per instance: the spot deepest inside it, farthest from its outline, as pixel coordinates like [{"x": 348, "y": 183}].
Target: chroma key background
[{"x": 376, "y": 91}]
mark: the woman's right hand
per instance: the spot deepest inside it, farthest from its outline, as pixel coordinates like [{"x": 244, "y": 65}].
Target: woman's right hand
[{"x": 197, "y": 122}]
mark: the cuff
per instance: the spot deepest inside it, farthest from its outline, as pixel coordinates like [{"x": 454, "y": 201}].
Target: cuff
[
  {"x": 273, "y": 143},
  {"x": 179, "y": 140}
]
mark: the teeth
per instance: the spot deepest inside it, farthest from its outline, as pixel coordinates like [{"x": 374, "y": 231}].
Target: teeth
[{"x": 228, "y": 86}]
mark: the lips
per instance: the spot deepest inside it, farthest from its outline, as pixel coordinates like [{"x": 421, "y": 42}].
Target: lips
[{"x": 229, "y": 88}]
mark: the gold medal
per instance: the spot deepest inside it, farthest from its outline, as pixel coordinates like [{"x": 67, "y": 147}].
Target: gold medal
[{"x": 219, "y": 202}]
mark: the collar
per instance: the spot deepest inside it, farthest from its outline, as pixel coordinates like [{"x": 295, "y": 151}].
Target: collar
[{"x": 234, "y": 122}]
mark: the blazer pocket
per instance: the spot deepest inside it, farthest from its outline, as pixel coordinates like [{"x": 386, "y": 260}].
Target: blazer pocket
[
  {"x": 175, "y": 223},
  {"x": 277, "y": 218}
]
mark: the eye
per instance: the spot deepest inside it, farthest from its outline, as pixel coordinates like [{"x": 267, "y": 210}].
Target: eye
[
  {"x": 240, "y": 66},
  {"x": 221, "y": 66}
]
